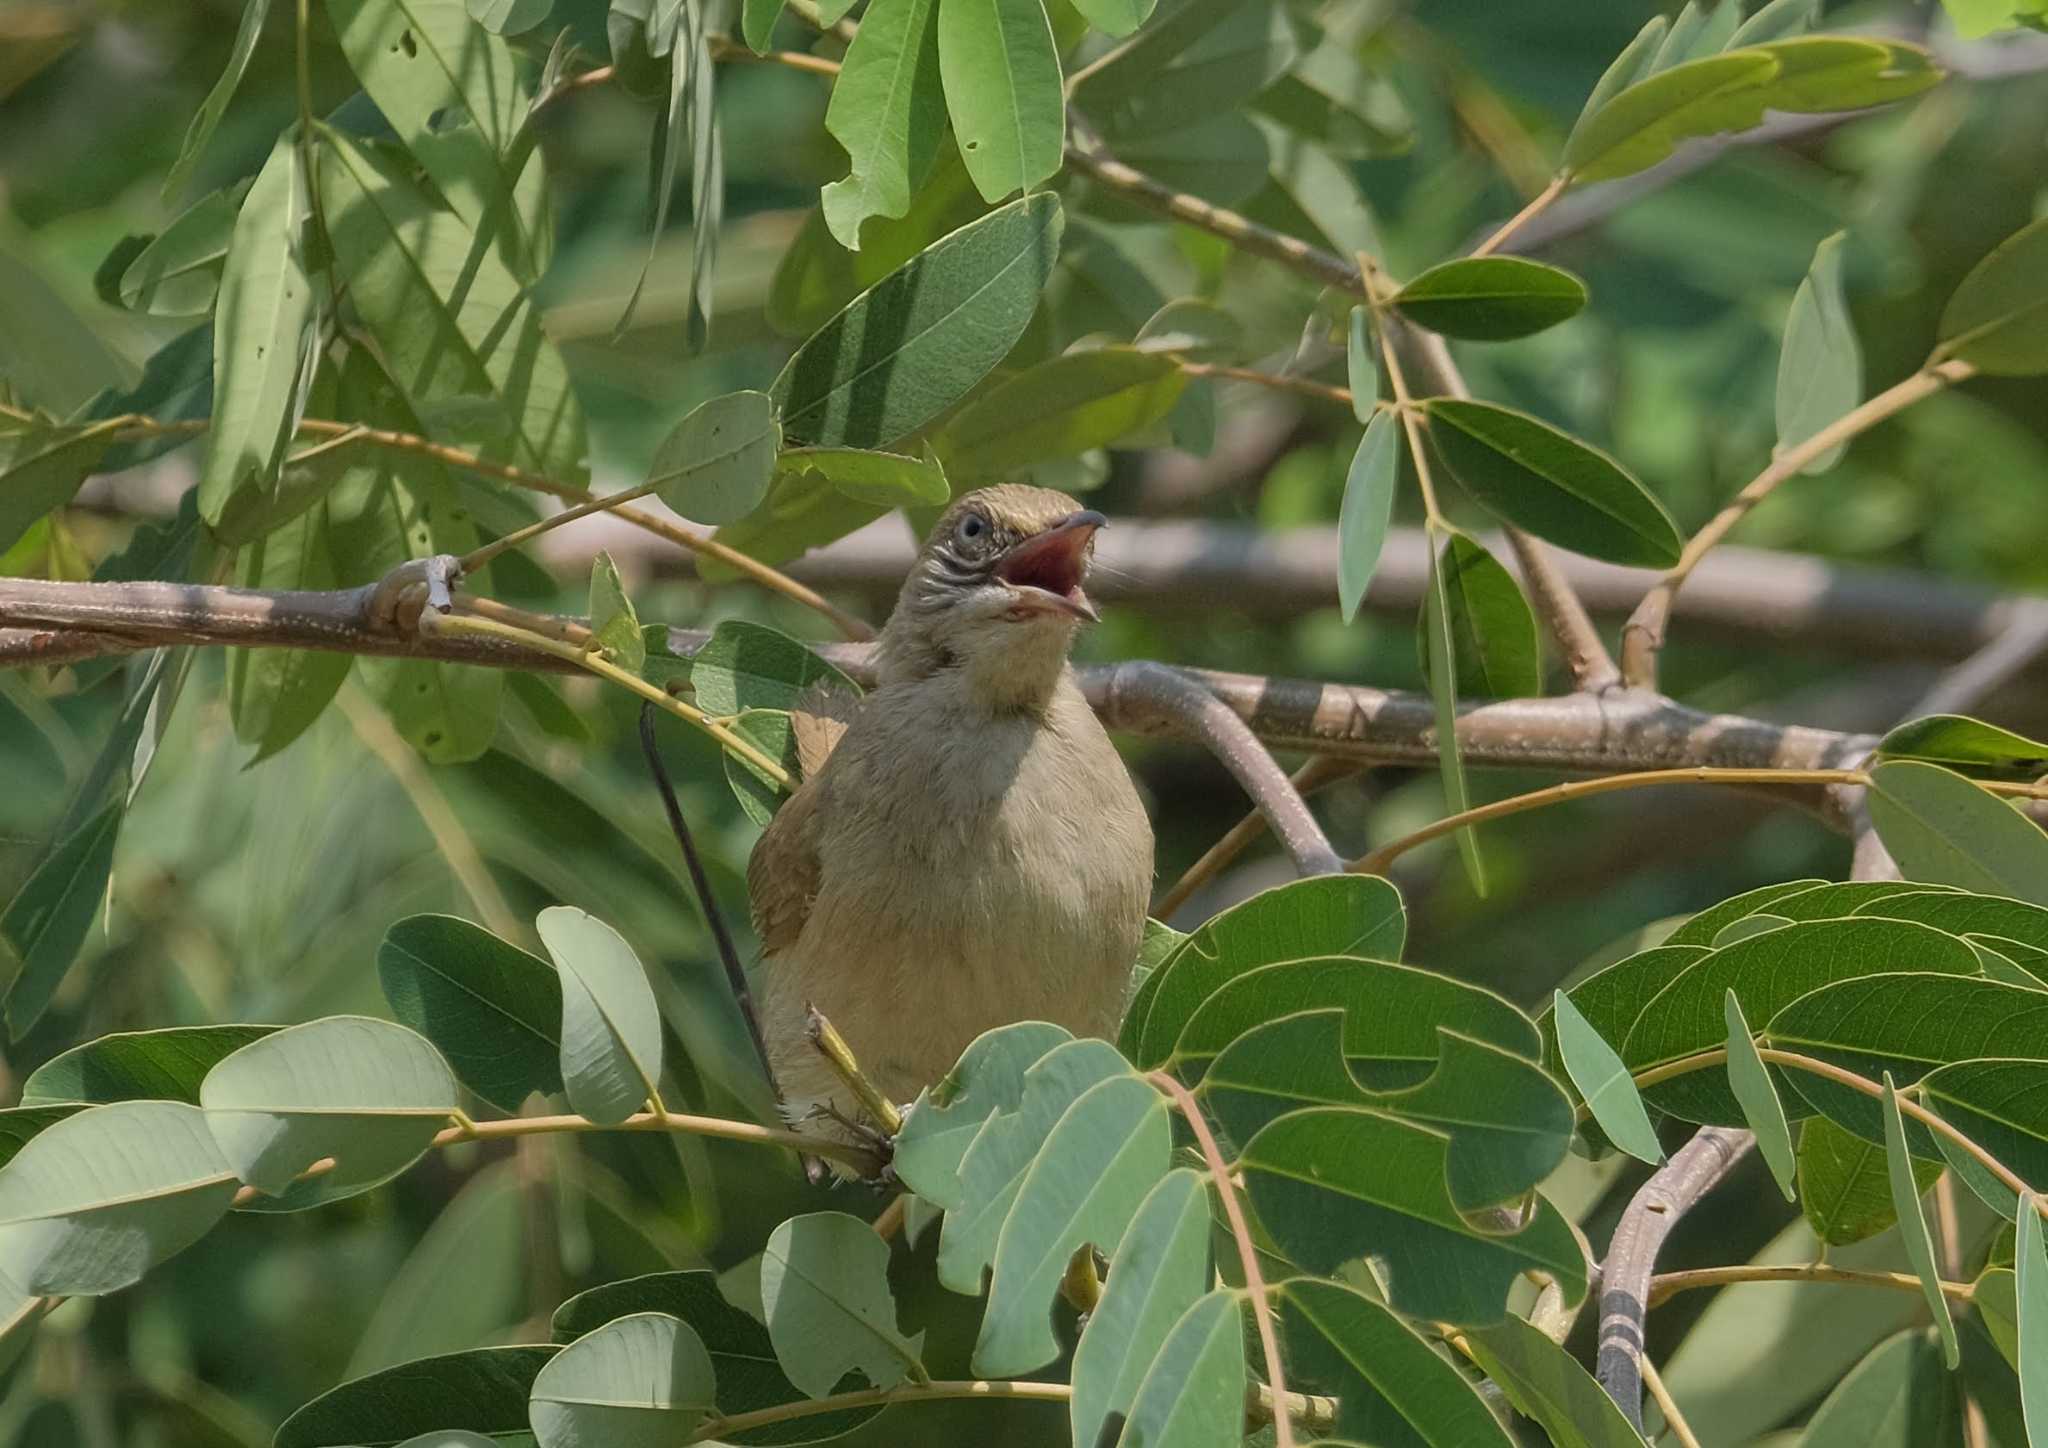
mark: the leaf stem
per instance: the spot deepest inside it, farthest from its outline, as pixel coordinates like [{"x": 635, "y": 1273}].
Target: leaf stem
[
  {"x": 1668, "y": 1284},
  {"x": 1643, "y": 635},
  {"x": 1247, "y": 1250},
  {"x": 716, "y": 1427},
  {"x": 1321, "y": 770},
  {"x": 1673, "y": 1419},
  {"x": 1278, "y": 381},
  {"x": 479, "y": 557},
  {"x": 1538, "y": 204}
]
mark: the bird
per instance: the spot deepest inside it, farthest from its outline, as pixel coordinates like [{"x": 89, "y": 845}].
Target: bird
[{"x": 968, "y": 850}]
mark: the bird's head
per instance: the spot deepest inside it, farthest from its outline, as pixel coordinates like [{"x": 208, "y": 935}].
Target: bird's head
[{"x": 997, "y": 588}]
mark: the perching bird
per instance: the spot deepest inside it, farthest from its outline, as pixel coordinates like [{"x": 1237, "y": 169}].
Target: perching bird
[{"x": 972, "y": 851}]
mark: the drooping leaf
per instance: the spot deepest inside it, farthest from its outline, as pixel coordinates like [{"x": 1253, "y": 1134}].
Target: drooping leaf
[
  {"x": 204, "y": 120},
  {"x": 641, "y": 1381},
  {"x": 163, "y": 1065},
  {"x": 987, "y": 1080},
  {"x": 1092, "y": 1171},
  {"x": 266, "y": 332},
  {"x": 1913, "y": 1224},
  {"x": 492, "y": 1010},
  {"x": 42, "y": 466},
  {"x": 1157, "y": 1272},
  {"x": 178, "y": 273},
  {"x": 1557, "y": 487},
  {"x": 480, "y": 1391},
  {"x": 1897, "y": 1397},
  {"x": 1390, "y": 1387},
  {"x": 1762, "y": 1111},
  {"x": 1333, "y": 1185},
  {"x": 1491, "y": 298},
  {"x": 367, "y": 1093},
  {"x": 1546, "y": 1383},
  {"x": 1944, "y": 829},
  {"x": 1994, "y": 319},
  {"x": 919, "y": 340},
  {"x": 1003, "y": 92},
  {"x": 1192, "y": 1396},
  {"x": 275, "y": 695},
  {"x": 825, "y": 1287},
  {"x": 1845, "y": 1185},
  {"x": 1820, "y": 365},
  {"x": 1960, "y": 742},
  {"x": 611, "y": 1027},
  {"x": 1509, "y": 1125},
  {"x": 1327, "y": 915},
  {"x": 1368, "y": 505},
  {"x": 888, "y": 110},
  {"x": 1596, "y": 1068},
  {"x": 1440, "y": 662},
  {"x": 614, "y": 626},
  {"x": 94, "y": 1201},
  {"x": 715, "y": 466},
  {"x": 45, "y": 924},
  {"x": 2031, "y": 1269},
  {"x": 1058, "y": 409},
  {"x": 1494, "y": 643}
]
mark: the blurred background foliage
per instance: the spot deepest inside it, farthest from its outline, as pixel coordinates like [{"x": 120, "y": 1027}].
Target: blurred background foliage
[{"x": 262, "y": 895}]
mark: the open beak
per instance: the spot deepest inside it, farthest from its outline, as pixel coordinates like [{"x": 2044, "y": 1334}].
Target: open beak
[{"x": 1046, "y": 569}]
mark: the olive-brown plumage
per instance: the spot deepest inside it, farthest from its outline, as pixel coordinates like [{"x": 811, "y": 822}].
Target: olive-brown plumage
[{"x": 971, "y": 851}]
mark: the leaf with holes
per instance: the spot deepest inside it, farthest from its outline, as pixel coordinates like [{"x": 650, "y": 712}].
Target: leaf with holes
[
  {"x": 888, "y": 109},
  {"x": 825, "y": 1290},
  {"x": 611, "y": 1027},
  {"x": 1002, "y": 83},
  {"x": 987, "y": 1081}
]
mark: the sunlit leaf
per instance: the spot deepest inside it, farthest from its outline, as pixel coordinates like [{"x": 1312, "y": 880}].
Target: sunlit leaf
[
  {"x": 1762, "y": 1111},
  {"x": 1603, "y": 1081},
  {"x": 2031, "y": 1268},
  {"x": 888, "y": 110},
  {"x": 1634, "y": 63},
  {"x": 1368, "y": 505},
  {"x": 1942, "y": 828},
  {"x": 492, "y": 1010},
  {"x": 1913, "y": 1224},
  {"x": 1060, "y": 408},
  {"x": 2002, "y": 1105},
  {"x": 715, "y": 466},
  {"x": 987, "y": 1080},
  {"x": 1546, "y": 1383},
  {"x": 825, "y": 1285},
  {"x": 1491, "y": 298},
  {"x": 178, "y": 273},
  {"x": 749, "y": 666},
  {"x": 1964, "y": 743},
  {"x": 1192, "y": 1396},
  {"x": 509, "y": 17},
  {"x": 614, "y": 627},
  {"x": 1002, "y": 84},
  {"x": 642, "y": 1381},
  {"x": 611, "y": 1028}
]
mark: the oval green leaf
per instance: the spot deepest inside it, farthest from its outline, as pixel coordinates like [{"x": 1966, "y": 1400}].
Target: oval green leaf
[
  {"x": 715, "y": 465},
  {"x": 1491, "y": 298},
  {"x": 1997, "y": 319},
  {"x": 178, "y": 273},
  {"x": 988, "y": 1079},
  {"x": 642, "y": 1381},
  {"x": 1942, "y": 828},
  {"x": 1494, "y": 644},
  {"x": 1960, "y": 742},
  {"x": 1820, "y": 363},
  {"x": 1192, "y": 1395},
  {"x": 611, "y": 1027},
  {"x": 1059, "y": 409},
  {"x": 1368, "y": 506},
  {"x": 1604, "y": 1084},
  {"x": 1913, "y": 1224},
  {"x": 1762, "y": 1111},
  {"x": 1003, "y": 91},
  {"x": 480, "y": 1391},
  {"x": 490, "y": 1008},
  {"x": 165, "y": 1065}
]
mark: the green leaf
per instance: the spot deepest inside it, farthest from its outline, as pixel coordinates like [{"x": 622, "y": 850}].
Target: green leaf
[
  {"x": 614, "y": 627},
  {"x": 1904, "y": 1025},
  {"x": 266, "y": 332},
  {"x": 201, "y": 127},
  {"x": 1635, "y": 62},
  {"x": 1546, "y": 1383},
  {"x": 987, "y": 1080},
  {"x": 1767, "y": 972},
  {"x": 2032, "y": 1290},
  {"x": 490, "y": 1008},
  {"x": 1997, "y": 318},
  {"x": 1974, "y": 19},
  {"x": 1312, "y": 186},
  {"x": 1897, "y": 1397},
  {"x": 1199, "y": 60},
  {"x": 885, "y": 480},
  {"x": 1092, "y": 1171},
  {"x": 509, "y": 17},
  {"x": 2013, "y": 927},
  {"x": 42, "y": 466},
  {"x": 1999, "y": 1104},
  {"x": 1778, "y": 20},
  {"x": 825, "y": 1286},
  {"x": 46, "y": 922},
  {"x": 1158, "y": 1271},
  {"x": 1003, "y": 91},
  {"x": 1762, "y": 1111},
  {"x": 1846, "y": 897},
  {"x": 611, "y": 1027},
  {"x": 1440, "y": 666},
  {"x": 178, "y": 273},
  {"x": 1392, "y": 1015},
  {"x": 1603, "y": 1082},
  {"x": 97, "y": 1199},
  {"x": 1324, "y": 915},
  {"x": 643, "y": 1381},
  {"x": 1192, "y": 1395},
  {"x": 1913, "y": 1225},
  {"x": 993, "y": 1167},
  {"x": 1391, "y": 1388},
  {"x": 1942, "y": 828},
  {"x": 1116, "y": 17},
  {"x": 1845, "y": 1184},
  {"x": 1705, "y": 927},
  {"x": 888, "y": 110},
  {"x": 1960, "y": 742},
  {"x": 164, "y": 1065},
  {"x": 19, "y": 1125},
  {"x": 451, "y": 319},
  {"x": 715, "y": 466},
  {"x": 1557, "y": 487},
  {"x": 1509, "y": 1125},
  {"x": 462, "y": 1282},
  {"x": 1368, "y": 505},
  {"x": 275, "y": 695},
  {"x": 920, "y": 339},
  {"x": 1820, "y": 365},
  {"x": 1060, "y": 408},
  {"x": 1361, "y": 369},
  {"x": 769, "y": 731},
  {"x": 1494, "y": 644},
  {"x": 1333, "y": 1185},
  {"x": 750, "y": 666},
  {"x": 1198, "y": 330},
  {"x": 1491, "y": 298},
  {"x": 1610, "y": 1000},
  {"x": 370, "y": 1094},
  {"x": 1222, "y": 159},
  {"x": 451, "y": 89},
  {"x": 1637, "y": 125},
  {"x": 1331, "y": 97},
  {"x": 480, "y": 1391}
]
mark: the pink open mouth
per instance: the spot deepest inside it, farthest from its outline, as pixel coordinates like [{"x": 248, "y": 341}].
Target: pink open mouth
[{"x": 1046, "y": 570}]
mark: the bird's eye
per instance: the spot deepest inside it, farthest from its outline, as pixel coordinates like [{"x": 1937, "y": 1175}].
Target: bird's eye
[{"x": 972, "y": 529}]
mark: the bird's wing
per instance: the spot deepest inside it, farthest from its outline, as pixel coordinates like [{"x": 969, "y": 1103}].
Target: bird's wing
[
  {"x": 818, "y": 719},
  {"x": 782, "y": 873}
]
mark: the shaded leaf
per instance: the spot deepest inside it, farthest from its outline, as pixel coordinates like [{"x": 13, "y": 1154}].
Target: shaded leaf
[
  {"x": 46, "y": 922},
  {"x": 1557, "y": 487},
  {"x": 1762, "y": 1111},
  {"x": 1845, "y": 1184},
  {"x": 825, "y": 1286},
  {"x": 2031, "y": 1268},
  {"x": 163, "y": 1065},
  {"x": 2002, "y": 1105},
  {"x": 715, "y": 466},
  {"x": 1491, "y": 298},
  {"x": 611, "y": 1027},
  {"x": 1494, "y": 646},
  {"x": 749, "y": 666},
  {"x": 1994, "y": 319},
  {"x": 1368, "y": 505},
  {"x": 200, "y": 129},
  {"x": 1198, "y": 60},
  {"x": 1897, "y": 1397},
  {"x": 1002, "y": 84},
  {"x": 1913, "y": 1225},
  {"x": 275, "y": 695},
  {"x": 1820, "y": 364},
  {"x": 1546, "y": 1383},
  {"x": 19, "y": 1125},
  {"x": 480, "y": 1391},
  {"x": 178, "y": 273},
  {"x": 1941, "y": 828},
  {"x": 641, "y": 1381},
  {"x": 1060, "y": 408},
  {"x": 1964, "y": 743},
  {"x": 769, "y": 731},
  {"x": 509, "y": 17},
  {"x": 42, "y": 466},
  {"x": 1604, "y": 1084},
  {"x": 492, "y": 1010}
]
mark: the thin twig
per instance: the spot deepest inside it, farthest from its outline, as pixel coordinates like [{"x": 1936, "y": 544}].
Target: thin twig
[
  {"x": 1247, "y": 1249},
  {"x": 1673, "y": 1419},
  {"x": 726, "y": 1427},
  {"x": 1312, "y": 776},
  {"x": 1275, "y": 381},
  {"x": 1643, "y": 635},
  {"x": 1538, "y": 204},
  {"x": 1995, "y": 664}
]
